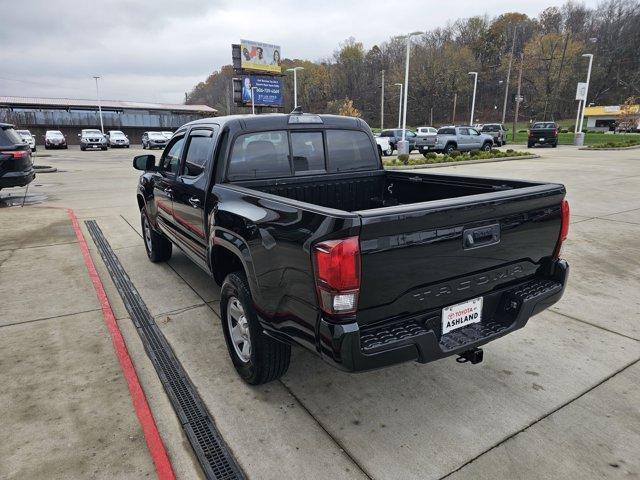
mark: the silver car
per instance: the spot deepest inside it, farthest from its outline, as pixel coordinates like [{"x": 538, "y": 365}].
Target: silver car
[
  {"x": 28, "y": 138},
  {"x": 92, "y": 138},
  {"x": 117, "y": 139}
]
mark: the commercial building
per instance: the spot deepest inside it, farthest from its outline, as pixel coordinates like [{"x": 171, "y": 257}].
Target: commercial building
[
  {"x": 71, "y": 115},
  {"x": 607, "y": 118}
]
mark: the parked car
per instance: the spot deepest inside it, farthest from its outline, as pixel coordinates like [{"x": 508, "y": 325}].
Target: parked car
[
  {"x": 27, "y": 137},
  {"x": 117, "y": 139},
  {"x": 92, "y": 138},
  {"x": 54, "y": 139},
  {"x": 154, "y": 140},
  {"x": 543, "y": 133},
  {"x": 315, "y": 244},
  {"x": 461, "y": 138},
  {"x": 426, "y": 131},
  {"x": 395, "y": 135},
  {"x": 498, "y": 131},
  {"x": 16, "y": 166},
  {"x": 384, "y": 146}
]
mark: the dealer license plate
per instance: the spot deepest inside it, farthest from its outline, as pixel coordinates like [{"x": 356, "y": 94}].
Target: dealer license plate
[
  {"x": 461, "y": 315},
  {"x": 542, "y": 139}
]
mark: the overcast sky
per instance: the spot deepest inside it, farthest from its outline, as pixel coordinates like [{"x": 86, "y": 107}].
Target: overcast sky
[{"x": 155, "y": 50}]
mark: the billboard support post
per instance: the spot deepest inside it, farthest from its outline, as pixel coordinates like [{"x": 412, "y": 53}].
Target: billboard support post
[{"x": 295, "y": 84}]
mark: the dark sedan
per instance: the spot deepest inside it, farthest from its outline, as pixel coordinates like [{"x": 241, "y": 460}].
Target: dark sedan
[{"x": 16, "y": 166}]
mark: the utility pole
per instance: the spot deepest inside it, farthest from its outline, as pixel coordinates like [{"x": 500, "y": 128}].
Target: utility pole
[
  {"x": 518, "y": 99},
  {"x": 506, "y": 85},
  {"x": 453, "y": 115},
  {"x": 431, "y": 117},
  {"x": 382, "y": 103},
  {"x": 99, "y": 103},
  {"x": 229, "y": 97}
]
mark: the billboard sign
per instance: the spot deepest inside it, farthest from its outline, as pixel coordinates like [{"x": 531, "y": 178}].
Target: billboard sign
[
  {"x": 581, "y": 91},
  {"x": 267, "y": 90},
  {"x": 260, "y": 56}
]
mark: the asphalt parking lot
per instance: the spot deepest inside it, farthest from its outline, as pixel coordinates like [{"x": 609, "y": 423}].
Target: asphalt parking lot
[{"x": 557, "y": 399}]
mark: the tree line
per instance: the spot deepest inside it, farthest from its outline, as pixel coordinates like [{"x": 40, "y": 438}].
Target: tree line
[{"x": 549, "y": 48}]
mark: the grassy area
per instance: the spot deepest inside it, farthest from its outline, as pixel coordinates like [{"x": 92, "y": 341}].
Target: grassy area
[
  {"x": 452, "y": 157},
  {"x": 589, "y": 138},
  {"x": 629, "y": 142}
]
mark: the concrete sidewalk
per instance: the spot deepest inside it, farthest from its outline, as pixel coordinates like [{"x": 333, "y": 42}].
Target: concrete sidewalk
[{"x": 558, "y": 399}]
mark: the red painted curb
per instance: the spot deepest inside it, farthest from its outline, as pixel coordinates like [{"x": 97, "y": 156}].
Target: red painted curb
[{"x": 156, "y": 448}]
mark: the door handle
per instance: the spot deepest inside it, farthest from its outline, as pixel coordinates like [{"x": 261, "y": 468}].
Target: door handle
[{"x": 194, "y": 202}]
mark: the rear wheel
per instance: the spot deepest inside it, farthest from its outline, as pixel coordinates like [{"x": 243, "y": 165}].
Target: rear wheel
[
  {"x": 256, "y": 357},
  {"x": 388, "y": 151},
  {"x": 530, "y": 145},
  {"x": 449, "y": 148},
  {"x": 486, "y": 147},
  {"x": 555, "y": 145},
  {"x": 158, "y": 248}
]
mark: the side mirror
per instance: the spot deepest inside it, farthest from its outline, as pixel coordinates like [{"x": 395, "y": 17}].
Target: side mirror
[{"x": 146, "y": 163}]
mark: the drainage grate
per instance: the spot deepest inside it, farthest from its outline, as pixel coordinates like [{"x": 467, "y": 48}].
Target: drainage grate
[{"x": 214, "y": 456}]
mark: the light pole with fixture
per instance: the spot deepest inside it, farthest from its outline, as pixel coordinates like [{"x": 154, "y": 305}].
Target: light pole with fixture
[
  {"x": 403, "y": 146},
  {"x": 399, "y": 106},
  {"x": 473, "y": 101},
  {"x": 96, "y": 77},
  {"x": 295, "y": 84},
  {"x": 253, "y": 100}
]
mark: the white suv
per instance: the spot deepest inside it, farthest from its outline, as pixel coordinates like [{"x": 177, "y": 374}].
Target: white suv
[{"x": 28, "y": 138}]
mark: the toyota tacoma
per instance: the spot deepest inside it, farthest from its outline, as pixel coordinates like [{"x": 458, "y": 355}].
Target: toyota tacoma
[{"x": 315, "y": 244}]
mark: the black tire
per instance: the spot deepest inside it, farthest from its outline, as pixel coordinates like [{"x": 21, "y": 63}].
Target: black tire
[
  {"x": 388, "y": 152},
  {"x": 486, "y": 147},
  {"x": 450, "y": 147},
  {"x": 143, "y": 147},
  {"x": 267, "y": 359},
  {"x": 82, "y": 148},
  {"x": 158, "y": 247},
  {"x": 555, "y": 145},
  {"x": 530, "y": 145},
  {"x": 46, "y": 147}
]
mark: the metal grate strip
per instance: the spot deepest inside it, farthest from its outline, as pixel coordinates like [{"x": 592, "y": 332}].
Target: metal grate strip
[{"x": 214, "y": 456}]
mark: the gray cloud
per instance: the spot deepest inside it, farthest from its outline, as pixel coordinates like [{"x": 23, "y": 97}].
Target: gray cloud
[{"x": 157, "y": 50}]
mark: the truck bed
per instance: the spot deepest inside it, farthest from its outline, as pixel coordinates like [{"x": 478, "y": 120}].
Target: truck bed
[{"x": 364, "y": 191}]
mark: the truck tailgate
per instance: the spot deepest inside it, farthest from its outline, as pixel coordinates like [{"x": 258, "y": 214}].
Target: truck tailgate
[{"x": 425, "y": 256}]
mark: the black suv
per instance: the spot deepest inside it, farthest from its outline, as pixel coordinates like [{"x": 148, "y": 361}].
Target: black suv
[{"x": 16, "y": 166}]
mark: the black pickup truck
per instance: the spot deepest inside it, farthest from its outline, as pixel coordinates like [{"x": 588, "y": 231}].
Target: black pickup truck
[
  {"x": 315, "y": 244},
  {"x": 543, "y": 133}
]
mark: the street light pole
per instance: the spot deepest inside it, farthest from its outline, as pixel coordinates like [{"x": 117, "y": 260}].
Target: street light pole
[
  {"x": 404, "y": 148},
  {"x": 586, "y": 92},
  {"x": 99, "y": 103},
  {"x": 253, "y": 100},
  {"x": 473, "y": 101},
  {"x": 295, "y": 84},
  {"x": 382, "y": 103},
  {"x": 400, "y": 106}
]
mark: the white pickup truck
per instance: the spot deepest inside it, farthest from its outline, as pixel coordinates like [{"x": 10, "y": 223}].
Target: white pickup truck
[{"x": 384, "y": 147}]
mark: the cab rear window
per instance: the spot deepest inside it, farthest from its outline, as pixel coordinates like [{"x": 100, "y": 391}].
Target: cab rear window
[{"x": 350, "y": 150}]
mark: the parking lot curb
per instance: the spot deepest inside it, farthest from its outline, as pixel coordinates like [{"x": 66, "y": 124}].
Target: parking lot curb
[
  {"x": 462, "y": 162},
  {"x": 156, "y": 447}
]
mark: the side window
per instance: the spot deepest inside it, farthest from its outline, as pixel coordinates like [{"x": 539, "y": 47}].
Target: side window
[
  {"x": 171, "y": 157},
  {"x": 199, "y": 151},
  {"x": 464, "y": 131},
  {"x": 349, "y": 150},
  {"x": 473, "y": 131},
  {"x": 308, "y": 152},
  {"x": 260, "y": 155},
  {"x": 410, "y": 134}
]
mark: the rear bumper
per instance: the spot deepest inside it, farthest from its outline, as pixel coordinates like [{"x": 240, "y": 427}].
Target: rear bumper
[
  {"x": 17, "y": 179},
  {"x": 418, "y": 338},
  {"x": 546, "y": 141}
]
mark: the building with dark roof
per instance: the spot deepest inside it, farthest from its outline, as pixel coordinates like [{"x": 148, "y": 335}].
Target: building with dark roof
[{"x": 72, "y": 115}]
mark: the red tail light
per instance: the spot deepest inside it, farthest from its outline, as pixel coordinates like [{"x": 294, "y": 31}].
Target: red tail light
[
  {"x": 16, "y": 154},
  {"x": 337, "y": 271},
  {"x": 555, "y": 132},
  {"x": 564, "y": 227}
]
